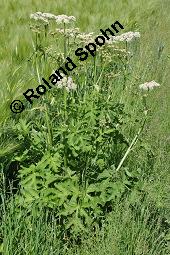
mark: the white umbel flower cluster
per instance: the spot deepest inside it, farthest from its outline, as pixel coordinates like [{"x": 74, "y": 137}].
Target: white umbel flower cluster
[
  {"x": 149, "y": 85},
  {"x": 86, "y": 37},
  {"x": 39, "y": 16},
  {"x": 72, "y": 32},
  {"x": 49, "y": 16},
  {"x": 67, "y": 83},
  {"x": 64, "y": 19},
  {"x": 126, "y": 37}
]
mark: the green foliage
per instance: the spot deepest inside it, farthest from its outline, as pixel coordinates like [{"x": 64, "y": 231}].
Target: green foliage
[
  {"x": 65, "y": 149},
  {"x": 136, "y": 229}
]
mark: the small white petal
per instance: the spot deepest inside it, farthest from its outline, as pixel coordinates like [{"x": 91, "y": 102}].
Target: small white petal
[
  {"x": 149, "y": 85},
  {"x": 129, "y": 36}
]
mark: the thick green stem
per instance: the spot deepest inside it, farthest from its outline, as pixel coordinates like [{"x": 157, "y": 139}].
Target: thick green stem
[
  {"x": 126, "y": 65},
  {"x": 65, "y": 43},
  {"x": 49, "y": 133},
  {"x": 95, "y": 70},
  {"x": 65, "y": 122}
]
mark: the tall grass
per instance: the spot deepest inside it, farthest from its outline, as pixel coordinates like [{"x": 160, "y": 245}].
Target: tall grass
[
  {"x": 139, "y": 220},
  {"x": 128, "y": 230}
]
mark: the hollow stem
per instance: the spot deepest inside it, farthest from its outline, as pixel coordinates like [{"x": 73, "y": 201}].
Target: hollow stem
[{"x": 134, "y": 141}]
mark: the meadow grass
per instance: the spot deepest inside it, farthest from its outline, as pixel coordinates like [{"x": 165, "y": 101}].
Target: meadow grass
[
  {"x": 127, "y": 230},
  {"x": 139, "y": 222}
]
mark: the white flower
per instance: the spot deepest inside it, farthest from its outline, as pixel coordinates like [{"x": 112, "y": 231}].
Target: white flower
[
  {"x": 49, "y": 16},
  {"x": 64, "y": 19},
  {"x": 68, "y": 32},
  {"x": 38, "y": 16},
  {"x": 149, "y": 85},
  {"x": 86, "y": 37},
  {"x": 68, "y": 83},
  {"x": 129, "y": 36}
]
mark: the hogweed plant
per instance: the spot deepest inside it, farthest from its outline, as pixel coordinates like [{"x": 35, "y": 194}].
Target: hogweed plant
[{"x": 75, "y": 144}]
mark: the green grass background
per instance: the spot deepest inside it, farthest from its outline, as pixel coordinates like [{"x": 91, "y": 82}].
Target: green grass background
[{"x": 151, "y": 18}]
